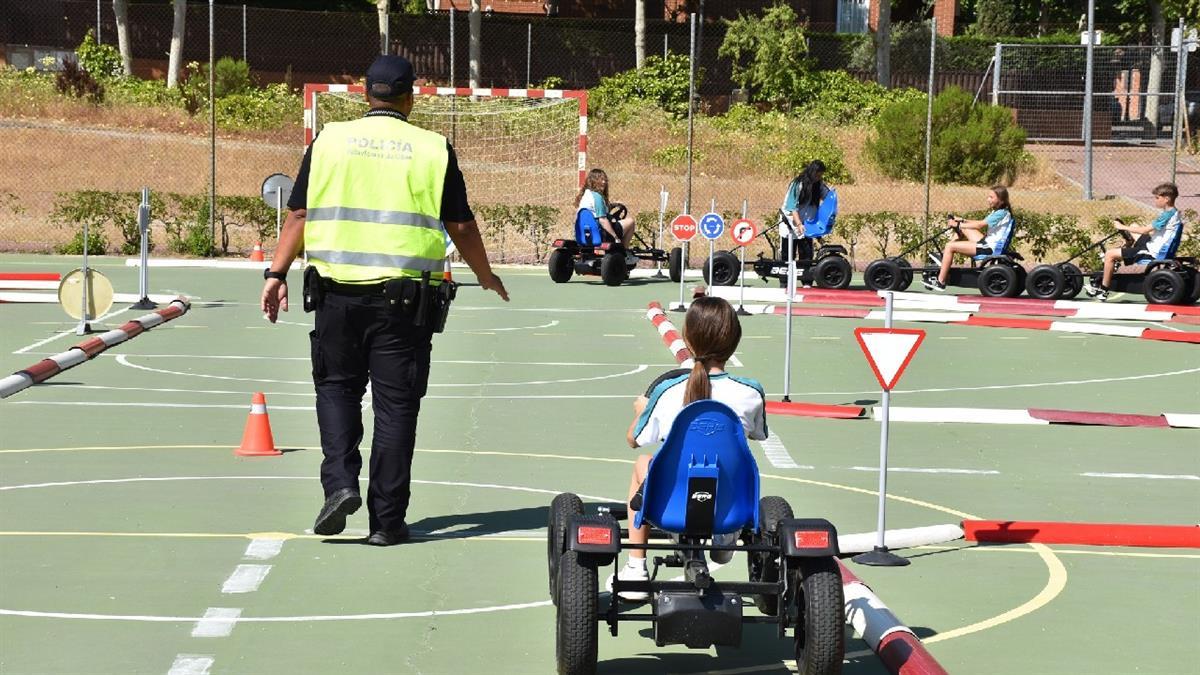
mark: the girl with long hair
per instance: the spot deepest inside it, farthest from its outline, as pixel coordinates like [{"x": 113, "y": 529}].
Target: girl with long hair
[
  {"x": 977, "y": 237},
  {"x": 712, "y": 332},
  {"x": 804, "y": 196},
  {"x": 593, "y": 196}
]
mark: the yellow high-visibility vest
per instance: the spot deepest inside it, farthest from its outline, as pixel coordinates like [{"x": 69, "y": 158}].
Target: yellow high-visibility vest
[{"x": 375, "y": 200}]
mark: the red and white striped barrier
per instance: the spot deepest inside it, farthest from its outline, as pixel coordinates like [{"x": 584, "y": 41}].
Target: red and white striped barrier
[
  {"x": 907, "y": 537},
  {"x": 29, "y": 281},
  {"x": 894, "y": 643},
  {"x": 1039, "y": 416},
  {"x": 969, "y": 319},
  {"x": 971, "y": 304},
  {"x": 88, "y": 349},
  {"x": 1085, "y": 534},
  {"x": 670, "y": 336}
]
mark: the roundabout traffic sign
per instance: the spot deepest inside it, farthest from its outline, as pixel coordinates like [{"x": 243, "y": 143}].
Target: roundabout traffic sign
[{"x": 712, "y": 226}]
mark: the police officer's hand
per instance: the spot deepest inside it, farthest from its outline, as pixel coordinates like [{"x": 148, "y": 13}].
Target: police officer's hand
[
  {"x": 493, "y": 284},
  {"x": 274, "y": 298}
]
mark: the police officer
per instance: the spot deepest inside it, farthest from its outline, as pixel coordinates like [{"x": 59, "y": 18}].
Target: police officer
[{"x": 372, "y": 203}]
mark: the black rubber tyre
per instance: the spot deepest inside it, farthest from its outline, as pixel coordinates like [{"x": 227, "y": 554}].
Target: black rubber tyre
[
  {"x": 724, "y": 269},
  {"x": 1046, "y": 282},
  {"x": 563, "y": 507},
  {"x": 998, "y": 281},
  {"x": 834, "y": 272},
  {"x": 884, "y": 275},
  {"x": 820, "y": 637},
  {"x": 612, "y": 269},
  {"x": 562, "y": 265},
  {"x": 675, "y": 264},
  {"x": 1165, "y": 287},
  {"x": 1194, "y": 295},
  {"x": 908, "y": 273},
  {"x": 576, "y": 626},
  {"x": 764, "y": 566},
  {"x": 1074, "y": 280}
]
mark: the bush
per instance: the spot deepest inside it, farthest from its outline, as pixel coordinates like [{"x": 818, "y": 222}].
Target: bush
[
  {"x": 532, "y": 221},
  {"x": 97, "y": 244},
  {"x": 102, "y": 61},
  {"x": 230, "y": 76},
  {"x": 660, "y": 82},
  {"x": 139, "y": 92},
  {"x": 78, "y": 82},
  {"x": 909, "y": 49},
  {"x": 259, "y": 109},
  {"x": 837, "y": 97},
  {"x": 781, "y": 142},
  {"x": 99, "y": 208},
  {"x": 674, "y": 156},
  {"x": 972, "y": 144},
  {"x": 768, "y": 54}
]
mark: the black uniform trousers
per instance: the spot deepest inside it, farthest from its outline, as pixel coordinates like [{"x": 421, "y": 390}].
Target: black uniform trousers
[{"x": 361, "y": 337}]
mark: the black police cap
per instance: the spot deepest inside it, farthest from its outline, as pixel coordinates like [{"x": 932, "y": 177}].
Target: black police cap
[{"x": 390, "y": 77}]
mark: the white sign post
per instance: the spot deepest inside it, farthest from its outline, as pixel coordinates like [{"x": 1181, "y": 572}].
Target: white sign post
[
  {"x": 712, "y": 226},
  {"x": 683, "y": 228},
  {"x": 888, "y": 351},
  {"x": 743, "y": 232},
  {"x": 662, "y": 213}
]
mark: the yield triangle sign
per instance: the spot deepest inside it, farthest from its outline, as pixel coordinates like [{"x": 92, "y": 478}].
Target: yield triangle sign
[{"x": 888, "y": 351}]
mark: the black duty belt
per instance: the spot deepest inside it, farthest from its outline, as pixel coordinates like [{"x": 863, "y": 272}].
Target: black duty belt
[{"x": 331, "y": 286}]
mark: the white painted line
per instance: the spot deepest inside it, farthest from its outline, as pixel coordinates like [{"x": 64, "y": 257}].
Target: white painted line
[
  {"x": 217, "y": 622},
  {"x": 906, "y": 469},
  {"x": 1150, "y": 476},
  {"x": 1096, "y": 329},
  {"x": 245, "y": 579},
  {"x": 191, "y": 664},
  {"x": 908, "y": 315},
  {"x": 735, "y": 361},
  {"x": 1183, "y": 420},
  {"x": 777, "y": 454},
  {"x": 620, "y": 335},
  {"x": 56, "y": 336},
  {"x": 825, "y": 337},
  {"x": 958, "y": 415},
  {"x": 951, "y": 337},
  {"x": 263, "y": 549}
]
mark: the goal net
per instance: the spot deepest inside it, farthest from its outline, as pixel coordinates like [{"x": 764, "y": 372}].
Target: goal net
[{"x": 517, "y": 148}]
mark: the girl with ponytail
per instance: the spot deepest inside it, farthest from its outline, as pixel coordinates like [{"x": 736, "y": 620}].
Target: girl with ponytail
[{"x": 711, "y": 331}]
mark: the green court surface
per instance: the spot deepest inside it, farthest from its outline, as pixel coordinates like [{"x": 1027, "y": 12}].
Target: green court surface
[{"x": 124, "y": 513}]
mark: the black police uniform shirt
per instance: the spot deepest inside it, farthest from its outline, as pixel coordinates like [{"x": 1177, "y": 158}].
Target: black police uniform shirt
[{"x": 455, "y": 208}]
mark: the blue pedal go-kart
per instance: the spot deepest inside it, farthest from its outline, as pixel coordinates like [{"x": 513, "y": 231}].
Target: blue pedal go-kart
[
  {"x": 703, "y": 482},
  {"x": 594, "y": 252}
]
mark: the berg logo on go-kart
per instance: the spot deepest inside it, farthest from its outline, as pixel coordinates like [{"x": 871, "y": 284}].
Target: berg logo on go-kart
[
  {"x": 702, "y": 497},
  {"x": 706, "y": 427}
]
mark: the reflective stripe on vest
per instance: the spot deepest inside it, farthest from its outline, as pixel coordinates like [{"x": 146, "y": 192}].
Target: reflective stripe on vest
[{"x": 374, "y": 201}]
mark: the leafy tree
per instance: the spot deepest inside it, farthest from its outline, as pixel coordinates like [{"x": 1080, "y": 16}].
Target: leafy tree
[
  {"x": 768, "y": 53},
  {"x": 995, "y": 18}
]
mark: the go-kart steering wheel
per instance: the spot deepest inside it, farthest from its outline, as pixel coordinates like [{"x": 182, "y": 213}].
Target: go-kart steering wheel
[{"x": 617, "y": 212}]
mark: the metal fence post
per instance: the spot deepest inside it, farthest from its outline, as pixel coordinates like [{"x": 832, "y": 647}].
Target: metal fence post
[
  {"x": 665, "y": 47},
  {"x": 97, "y": 21},
  {"x": 996, "y": 74},
  {"x": 1180, "y": 106},
  {"x": 529, "y": 55},
  {"x": 691, "y": 109},
  {"x": 144, "y": 301},
  {"x": 929, "y": 120},
  {"x": 451, "y": 45},
  {"x": 1087, "y": 100},
  {"x": 245, "y": 54},
  {"x": 212, "y": 122}
]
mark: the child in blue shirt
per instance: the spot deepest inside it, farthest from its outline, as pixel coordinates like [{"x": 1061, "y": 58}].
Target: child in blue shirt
[
  {"x": 1155, "y": 237},
  {"x": 977, "y": 237}
]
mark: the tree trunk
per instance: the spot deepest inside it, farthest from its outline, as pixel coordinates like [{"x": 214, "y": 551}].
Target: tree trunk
[
  {"x": 1158, "y": 29},
  {"x": 883, "y": 44},
  {"x": 174, "y": 62},
  {"x": 473, "y": 49},
  {"x": 381, "y": 6},
  {"x": 1043, "y": 17},
  {"x": 639, "y": 31},
  {"x": 121, "y": 10}
]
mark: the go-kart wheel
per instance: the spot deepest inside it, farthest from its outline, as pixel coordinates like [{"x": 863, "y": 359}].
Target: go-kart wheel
[
  {"x": 1045, "y": 282},
  {"x": 998, "y": 281},
  {"x": 675, "y": 264},
  {"x": 765, "y": 566},
  {"x": 884, "y": 275},
  {"x": 1074, "y": 280},
  {"x": 820, "y": 636},
  {"x": 1165, "y": 287},
  {"x": 617, "y": 212},
  {"x": 833, "y": 272},
  {"x": 1194, "y": 295},
  {"x": 562, "y": 265},
  {"x": 724, "y": 269},
  {"x": 576, "y": 628},
  {"x": 612, "y": 268},
  {"x": 908, "y": 273},
  {"x": 563, "y": 507}
]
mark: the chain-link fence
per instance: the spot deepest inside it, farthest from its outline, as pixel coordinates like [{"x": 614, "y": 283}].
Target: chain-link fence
[{"x": 143, "y": 135}]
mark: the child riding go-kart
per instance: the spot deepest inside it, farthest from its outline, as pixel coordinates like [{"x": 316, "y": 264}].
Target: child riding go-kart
[
  {"x": 996, "y": 273},
  {"x": 594, "y": 251},
  {"x": 701, "y": 484}
]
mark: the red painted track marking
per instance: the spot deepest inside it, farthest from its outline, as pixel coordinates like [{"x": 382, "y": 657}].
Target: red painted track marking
[
  {"x": 1190, "y": 310},
  {"x": 1098, "y": 418},
  {"x": 1170, "y": 336},
  {"x": 1001, "y": 322},
  {"x": 844, "y": 412},
  {"x": 1087, "y": 534},
  {"x": 1192, "y": 320},
  {"x": 30, "y": 276}
]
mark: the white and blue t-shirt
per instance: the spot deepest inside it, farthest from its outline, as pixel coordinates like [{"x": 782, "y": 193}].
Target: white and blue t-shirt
[
  {"x": 808, "y": 212},
  {"x": 1000, "y": 225},
  {"x": 1167, "y": 227},
  {"x": 593, "y": 201},
  {"x": 743, "y": 395}
]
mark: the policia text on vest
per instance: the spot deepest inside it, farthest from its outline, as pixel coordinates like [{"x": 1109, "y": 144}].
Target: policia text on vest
[{"x": 374, "y": 202}]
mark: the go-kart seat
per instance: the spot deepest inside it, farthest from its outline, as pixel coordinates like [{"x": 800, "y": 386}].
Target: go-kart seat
[
  {"x": 1005, "y": 248},
  {"x": 588, "y": 231},
  {"x": 1167, "y": 252},
  {"x": 703, "y": 480}
]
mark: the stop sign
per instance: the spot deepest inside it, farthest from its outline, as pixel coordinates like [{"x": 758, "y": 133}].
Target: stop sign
[{"x": 683, "y": 227}]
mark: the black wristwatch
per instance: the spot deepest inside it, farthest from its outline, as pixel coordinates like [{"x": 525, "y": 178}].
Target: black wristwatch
[{"x": 268, "y": 274}]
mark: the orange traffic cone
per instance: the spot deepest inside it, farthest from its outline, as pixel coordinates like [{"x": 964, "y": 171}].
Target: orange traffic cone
[
  {"x": 257, "y": 440},
  {"x": 257, "y": 254},
  {"x": 446, "y": 275}
]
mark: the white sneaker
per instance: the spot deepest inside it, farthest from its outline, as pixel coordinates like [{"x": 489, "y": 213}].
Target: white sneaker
[
  {"x": 937, "y": 262},
  {"x": 631, "y": 572},
  {"x": 631, "y": 259},
  {"x": 934, "y": 285},
  {"x": 723, "y": 557},
  {"x": 1092, "y": 291}
]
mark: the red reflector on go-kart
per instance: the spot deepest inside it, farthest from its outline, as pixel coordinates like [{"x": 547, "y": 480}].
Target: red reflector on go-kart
[
  {"x": 817, "y": 539},
  {"x": 597, "y": 536},
  {"x": 557, "y": 243}
]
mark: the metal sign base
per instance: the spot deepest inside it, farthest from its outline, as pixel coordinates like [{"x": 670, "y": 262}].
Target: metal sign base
[
  {"x": 144, "y": 303},
  {"x": 881, "y": 557}
]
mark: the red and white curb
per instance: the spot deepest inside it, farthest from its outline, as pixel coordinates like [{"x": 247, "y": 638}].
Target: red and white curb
[
  {"x": 27, "y": 297},
  {"x": 88, "y": 349},
  {"x": 30, "y": 281},
  {"x": 968, "y": 319},
  {"x": 908, "y": 537},
  {"x": 671, "y": 337},
  {"x": 1038, "y": 416},
  {"x": 894, "y": 643},
  {"x": 1087, "y": 534}
]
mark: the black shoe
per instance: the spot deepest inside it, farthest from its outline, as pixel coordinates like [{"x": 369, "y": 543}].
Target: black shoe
[
  {"x": 332, "y": 518},
  {"x": 389, "y": 537}
]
